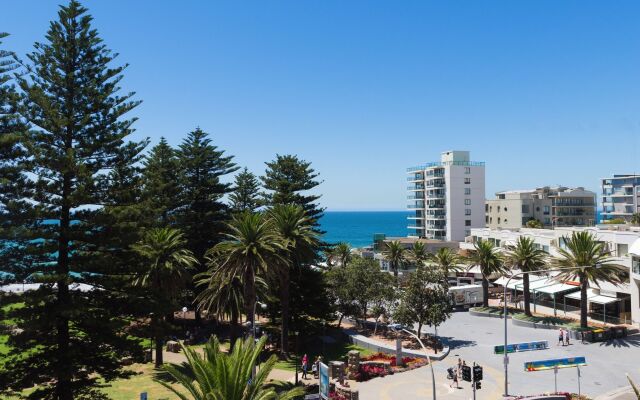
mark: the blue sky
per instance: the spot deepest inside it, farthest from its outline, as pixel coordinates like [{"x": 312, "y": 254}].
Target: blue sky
[{"x": 545, "y": 92}]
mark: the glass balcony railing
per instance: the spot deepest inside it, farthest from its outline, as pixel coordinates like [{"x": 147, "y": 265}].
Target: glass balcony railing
[{"x": 445, "y": 164}]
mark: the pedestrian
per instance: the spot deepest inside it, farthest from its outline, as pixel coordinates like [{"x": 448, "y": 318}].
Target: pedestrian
[
  {"x": 455, "y": 380},
  {"x": 314, "y": 367},
  {"x": 561, "y": 337},
  {"x": 566, "y": 337},
  {"x": 305, "y": 365}
]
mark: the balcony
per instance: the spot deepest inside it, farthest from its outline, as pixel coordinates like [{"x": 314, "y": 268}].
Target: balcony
[
  {"x": 415, "y": 197},
  {"x": 435, "y": 206},
  {"x": 417, "y": 186},
  {"x": 435, "y": 195},
  {"x": 445, "y": 164},
  {"x": 415, "y": 178}
]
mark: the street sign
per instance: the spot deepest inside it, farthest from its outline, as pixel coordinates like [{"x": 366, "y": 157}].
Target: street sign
[
  {"x": 143, "y": 396},
  {"x": 554, "y": 363},
  {"x": 518, "y": 347},
  {"x": 324, "y": 381}
]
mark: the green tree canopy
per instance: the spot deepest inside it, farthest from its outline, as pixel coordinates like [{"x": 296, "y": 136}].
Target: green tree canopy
[
  {"x": 246, "y": 192},
  {"x": 77, "y": 154},
  {"x": 486, "y": 256},
  {"x": 525, "y": 257}
]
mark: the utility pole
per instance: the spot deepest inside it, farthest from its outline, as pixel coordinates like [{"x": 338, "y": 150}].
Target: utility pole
[{"x": 473, "y": 381}]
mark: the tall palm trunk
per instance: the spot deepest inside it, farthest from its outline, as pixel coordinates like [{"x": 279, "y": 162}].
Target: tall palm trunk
[
  {"x": 584, "y": 282},
  {"x": 233, "y": 329},
  {"x": 159, "y": 357},
  {"x": 250, "y": 296},
  {"x": 527, "y": 295},
  {"x": 285, "y": 281},
  {"x": 485, "y": 292}
]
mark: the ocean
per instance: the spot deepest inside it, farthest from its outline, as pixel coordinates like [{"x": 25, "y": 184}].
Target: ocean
[{"x": 358, "y": 227}]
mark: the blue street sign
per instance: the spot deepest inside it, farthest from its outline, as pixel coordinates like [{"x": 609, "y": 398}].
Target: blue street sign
[
  {"x": 554, "y": 364},
  {"x": 518, "y": 347}
]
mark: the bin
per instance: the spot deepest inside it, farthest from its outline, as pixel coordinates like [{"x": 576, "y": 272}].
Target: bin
[
  {"x": 587, "y": 336},
  {"x": 600, "y": 335}
]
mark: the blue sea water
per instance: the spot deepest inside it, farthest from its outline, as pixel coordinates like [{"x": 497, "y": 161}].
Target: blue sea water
[{"x": 358, "y": 227}]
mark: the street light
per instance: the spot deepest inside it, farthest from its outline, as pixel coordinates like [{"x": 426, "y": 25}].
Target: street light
[
  {"x": 253, "y": 329},
  {"x": 296, "y": 357},
  {"x": 504, "y": 315},
  {"x": 395, "y": 328}
]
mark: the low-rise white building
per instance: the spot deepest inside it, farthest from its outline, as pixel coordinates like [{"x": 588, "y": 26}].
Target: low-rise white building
[{"x": 615, "y": 302}]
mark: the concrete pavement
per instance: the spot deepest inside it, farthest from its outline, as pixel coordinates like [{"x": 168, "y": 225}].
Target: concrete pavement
[{"x": 472, "y": 339}]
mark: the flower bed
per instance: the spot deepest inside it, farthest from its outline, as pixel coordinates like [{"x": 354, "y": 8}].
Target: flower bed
[{"x": 381, "y": 364}]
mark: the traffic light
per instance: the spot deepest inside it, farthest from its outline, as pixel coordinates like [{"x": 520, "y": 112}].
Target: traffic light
[
  {"x": 477, "y": 373},
  {"x": 478, "y": 385},
  {"x": 466, "y": 373}
]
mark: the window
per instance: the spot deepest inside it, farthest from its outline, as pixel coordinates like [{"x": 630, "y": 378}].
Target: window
[
  {"x": 467, "y": 181},
  {"x": 505, "y": 209},
  {"x": 467, "y": 170},
  {"x": 547, "y": 221},
  {"x": 467, "y": 191},
  {"x": 467, "y": 211},
  {"x": 635, "y": 265},
  {"x": 547, "y": 210},
  {"x": 538, "y": 209},
  {"x": 467, "y": 232},
  {"x": 467, "y": 222},
  {"x": 525, "y": 209},
  {"x": 498, "y": 220},
  {"x": 491, "y": 220},
  {"x": 467, "y": 202},
  {"x": 486, "y": 219},
  {"x": 545, "y": 248},
  {"x": 505, "y": 220}
]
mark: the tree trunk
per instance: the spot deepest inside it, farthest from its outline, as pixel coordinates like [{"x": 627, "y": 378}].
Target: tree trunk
[
  {"x": 419, "y": 329},
  {"x": 485, "y": 291},
  {"x": 527, "y": 295},
  {"x": 249, "y": 297},
  {"x": 159, "y": 358},
  {"x": 340, "y": 320},
  {"x": 284, "y": 304},
  {"x": 583, "y": 300},
  {"x": 63, "y": 369},
  {"x": 233, "y": 328}
]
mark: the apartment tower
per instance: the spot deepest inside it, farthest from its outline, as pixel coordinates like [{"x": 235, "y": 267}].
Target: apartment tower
[
  {"x": 620, "y": 197},
  {"x": 446, "y": 198}
]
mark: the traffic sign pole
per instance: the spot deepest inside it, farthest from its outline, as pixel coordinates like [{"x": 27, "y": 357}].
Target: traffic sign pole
[{"x": 473, "y": 381}]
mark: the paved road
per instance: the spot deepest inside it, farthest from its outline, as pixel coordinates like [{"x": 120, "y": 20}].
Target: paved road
[{"x": 472, "y": 339}]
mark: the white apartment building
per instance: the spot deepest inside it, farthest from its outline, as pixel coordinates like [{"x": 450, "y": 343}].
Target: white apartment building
[
  {"x": 446, "y": 197},
  {"x": 618, "y": 303},
  {"x": 551, "y": 206},
  {"x": 620, "y": 197}
]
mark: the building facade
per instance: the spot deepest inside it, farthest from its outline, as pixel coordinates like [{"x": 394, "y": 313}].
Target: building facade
[
  {"x": 552, "y": 206},
  {"x": 620, "y": 197},
  {"x": 613, "y": 303},
  {"x": 446, "y": 197}
]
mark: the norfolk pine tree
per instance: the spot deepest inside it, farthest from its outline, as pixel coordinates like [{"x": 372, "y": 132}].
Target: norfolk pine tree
[
  {"x": 246, "y": 192},
  {"x": 77, "y": 146}
]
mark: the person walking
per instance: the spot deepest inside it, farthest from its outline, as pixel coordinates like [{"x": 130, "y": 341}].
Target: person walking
[
  {"x": 566, "y": 337},
  {"x": 455, "y": 380},
  {"x": 561, "y": 337},
  {"x": 305, "y": 366}
]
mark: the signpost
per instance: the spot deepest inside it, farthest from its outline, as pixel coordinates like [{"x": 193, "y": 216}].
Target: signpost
[
  {"x": 323, "y": 370},
  {"x": 555, "y": 365},
  {"x": 518, "y": 347}
]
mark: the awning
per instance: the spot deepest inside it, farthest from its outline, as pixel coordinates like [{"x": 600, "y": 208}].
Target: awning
[
  {"x": 592, "y": 297},
  {"x": 501, "y": 281},
  {"x": 557, "y": 288},
  {"x": 519, "y": 285},
  {"x": 635, "y": 248}
]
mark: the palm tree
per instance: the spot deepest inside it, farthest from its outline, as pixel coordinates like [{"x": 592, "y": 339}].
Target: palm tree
[
  {"x": 526, "y": 257},
  {"x": 488, "y": 258},
  {"x": 342, "y": 253},
  {"x": 635, "y": 219},
  {"x": 166, "y": 274},
  {"x": 587, "y": 260},
  {"x": 301, "y": 242},
  {"x": 222, "y": 296},
  {"x": 251, "y": 246},
  {"x": 418, "y": 254},
  {"x": 395, "y": 255},
  {"x": 220, "y": 376},
  {"x": 447, "y": 259}
]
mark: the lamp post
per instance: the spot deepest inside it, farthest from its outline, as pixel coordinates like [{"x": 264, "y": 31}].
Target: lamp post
[
  {"x": 433, "y": 377},
  {"x": 504, "y": 315},
  {"x": 296, "y": 357},
  {"x": 253, "y": 331}
]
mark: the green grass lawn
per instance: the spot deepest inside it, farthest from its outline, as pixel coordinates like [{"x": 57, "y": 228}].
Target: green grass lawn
[
  {"x": 333, "y": 352},
  {"x": 130, "y": 389}
]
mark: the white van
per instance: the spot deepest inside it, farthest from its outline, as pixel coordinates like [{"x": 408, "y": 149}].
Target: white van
[{"x": 466, "y": 296}]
